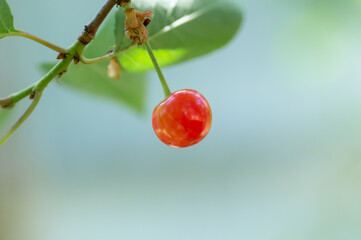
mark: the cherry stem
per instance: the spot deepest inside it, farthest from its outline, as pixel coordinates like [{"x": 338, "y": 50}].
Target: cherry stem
[{"x": 164, "y": 83}]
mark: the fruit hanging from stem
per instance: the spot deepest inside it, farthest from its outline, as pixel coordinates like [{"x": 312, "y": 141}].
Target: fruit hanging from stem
[{"x": 183, "y": 119}]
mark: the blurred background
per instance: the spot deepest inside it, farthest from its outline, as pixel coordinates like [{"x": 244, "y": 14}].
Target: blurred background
[{"x": 282, "y": 160}]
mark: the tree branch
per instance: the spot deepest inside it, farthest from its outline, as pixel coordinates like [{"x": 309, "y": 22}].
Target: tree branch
[{"x": 90, "y": 30}]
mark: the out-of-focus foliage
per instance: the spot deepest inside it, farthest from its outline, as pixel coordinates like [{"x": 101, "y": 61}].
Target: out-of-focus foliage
[
  {"x": 4, "y": 116},
  {"x": 324, "y": 31}
]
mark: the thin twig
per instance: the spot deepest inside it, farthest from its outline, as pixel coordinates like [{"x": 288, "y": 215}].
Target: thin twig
[
  {"x": 26, "y": 114},
  {"x": 105, "y": 57},
  {"x": 43, "y": 42},
  {"x": 90, "y": 30},
  {"x": 16, "y": 97}
]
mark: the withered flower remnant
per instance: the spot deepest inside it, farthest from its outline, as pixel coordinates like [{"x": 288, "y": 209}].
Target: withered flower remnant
[{"x": 135, "y": 25}]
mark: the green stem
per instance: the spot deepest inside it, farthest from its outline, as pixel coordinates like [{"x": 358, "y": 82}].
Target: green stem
[
  {"x": 60, "y": 67},
  {"x": 38, "y": 40},
  {"x": 74, "y": 51},
  {"x": 16, "y": 97},
  {"x": 26, "y": 114},
  {"x": 105, "y": 57},
  {"x": 38, "y": 87},
  {"x": 164, "y": 83},
  {"x": 98, "y": 59}
]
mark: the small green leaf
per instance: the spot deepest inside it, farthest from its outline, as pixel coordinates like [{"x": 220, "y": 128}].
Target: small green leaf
[
  {"x": 181, "y": 30},
  {"x": 6, "y": 20}
]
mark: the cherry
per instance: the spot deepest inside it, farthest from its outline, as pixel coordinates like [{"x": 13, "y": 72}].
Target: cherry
[{"x": 183, "y": 119}]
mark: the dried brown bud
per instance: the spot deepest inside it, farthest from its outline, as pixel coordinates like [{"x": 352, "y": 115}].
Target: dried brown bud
[
  {"x": 76, "y": 60},
  {"x": 135, "y": 25},
  {"x": 114, "y": 69},
  {"x": 61, "y": 56},
  {"x": 146, "y": 22},
  {"x": 32, "y": 95}
]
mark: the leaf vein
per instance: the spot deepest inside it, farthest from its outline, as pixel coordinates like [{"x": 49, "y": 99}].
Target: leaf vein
[{"x": 183, "y": 20}]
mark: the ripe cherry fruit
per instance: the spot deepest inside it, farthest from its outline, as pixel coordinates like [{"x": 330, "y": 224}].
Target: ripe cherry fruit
[{"x": 183, "y": 119}]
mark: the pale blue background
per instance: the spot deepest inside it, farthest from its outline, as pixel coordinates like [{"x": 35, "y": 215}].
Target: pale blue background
[{"x": 282, "y": 160}]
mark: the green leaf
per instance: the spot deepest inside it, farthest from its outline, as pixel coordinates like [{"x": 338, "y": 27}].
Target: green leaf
[
  {"x": 120, "y": 38},
  {"x": 6, "y": 20},
  {"x": 180, "y": 31},
  {"x": 129, "y": 89}
]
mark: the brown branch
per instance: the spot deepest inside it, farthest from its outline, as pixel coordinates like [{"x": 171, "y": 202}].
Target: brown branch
[{"x": 90, "y": 30}]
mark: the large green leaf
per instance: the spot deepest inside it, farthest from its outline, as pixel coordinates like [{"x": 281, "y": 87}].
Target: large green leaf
[
  {"x": 130, "y": 89},
  {"x": 180, "y": 30},
  {"x": 6, "y": 20}
]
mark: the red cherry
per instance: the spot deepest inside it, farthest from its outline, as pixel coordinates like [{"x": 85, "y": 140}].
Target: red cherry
[{"x": 183, "y": 119}]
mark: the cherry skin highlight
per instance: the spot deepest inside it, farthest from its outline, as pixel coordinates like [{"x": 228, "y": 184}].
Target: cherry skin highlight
[{"x": 183, "y": 119}]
